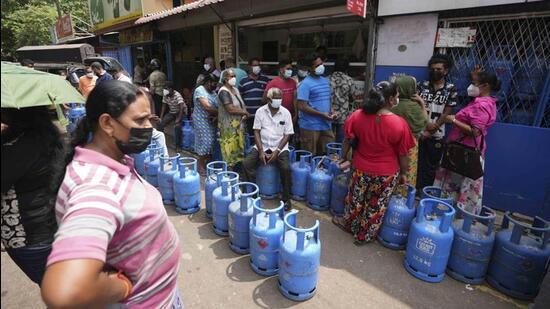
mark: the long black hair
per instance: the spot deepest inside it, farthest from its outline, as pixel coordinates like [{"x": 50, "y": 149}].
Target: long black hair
[
  {"x": 109, "y": 97},
  {"x": 378, "y": 97},
  {"x": 36, "y": 122}
]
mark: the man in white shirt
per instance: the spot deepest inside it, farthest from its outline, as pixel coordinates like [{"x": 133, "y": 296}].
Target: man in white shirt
[{"x": 272, "y": 130}]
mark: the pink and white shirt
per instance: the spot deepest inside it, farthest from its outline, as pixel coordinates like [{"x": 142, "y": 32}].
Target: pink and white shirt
[{"x": 107, "y": 212}]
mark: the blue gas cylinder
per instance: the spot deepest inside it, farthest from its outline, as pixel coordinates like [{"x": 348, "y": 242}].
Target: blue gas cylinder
[
  {"x": 211, "y": 182},
  {"x": 430, "y": 240},
  {"x": 334, "y": 154},
  {"x": 187, "y": 186},
  {"x": 300, "y": 168},
  {"x": 266, "y": 229},
  {"x": 319, "y": 184},
  {"x": 339, "y": 191},
  {"x": 188, "y": 135},
  {"x": 221, "y": 198},
  {"x": 398, "y": 218},
  {"x": 436, "y": 193},
  {"x": 240, "y": 213},
  {"x": 268, "y": 180},
  {"x": 472, "y": 245},
  {"x": 152, "y": 166},
  {"x": 139, "y": 160},
  {"x": 299, "y": 259},
  {"x": 167, "y": 169},
  {"x": 520, "y": 258},
  {"x": 75, "y": 114}
]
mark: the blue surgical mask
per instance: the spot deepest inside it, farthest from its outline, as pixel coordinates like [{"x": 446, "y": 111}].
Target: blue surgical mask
[{"x": 320, "y": 70}]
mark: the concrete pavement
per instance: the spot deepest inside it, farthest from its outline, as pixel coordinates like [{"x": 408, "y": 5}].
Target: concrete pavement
[{"x": 212, "y": 276}]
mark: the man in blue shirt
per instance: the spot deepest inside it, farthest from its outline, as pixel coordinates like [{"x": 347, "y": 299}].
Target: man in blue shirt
[
  {"x": 252, "y": 90},
  {"x": 100, "y": 72},
  {"x": 315, "y": 117}
]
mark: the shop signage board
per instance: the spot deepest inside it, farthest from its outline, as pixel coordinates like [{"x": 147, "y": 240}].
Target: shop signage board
[
  {"x": 358, "y": 7},
  {"x": 136, "y": 35},
  {"x": 106, "y": 13},
  {"x": 64, "y": 28},
  {"x": 455, "y": 37}
]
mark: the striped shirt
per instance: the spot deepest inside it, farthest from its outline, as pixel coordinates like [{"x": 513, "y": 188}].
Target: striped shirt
[
  {"x": 175, "y": 102},
  {"x": 107, "y": 212},
  {"x": 252, "y": 92}
]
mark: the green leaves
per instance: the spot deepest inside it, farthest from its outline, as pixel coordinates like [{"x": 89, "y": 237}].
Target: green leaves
[{"x": 28, "y": 22}]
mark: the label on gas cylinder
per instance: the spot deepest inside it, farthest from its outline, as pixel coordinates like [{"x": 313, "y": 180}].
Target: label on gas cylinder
[{"x": 426, "y": 245}]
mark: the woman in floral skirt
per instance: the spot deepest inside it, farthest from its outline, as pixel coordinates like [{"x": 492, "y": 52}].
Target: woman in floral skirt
[
  {"x": 470, "y": 128},
  {"x": 381, "y": 142},
  {"x": 231, "y": 116}
]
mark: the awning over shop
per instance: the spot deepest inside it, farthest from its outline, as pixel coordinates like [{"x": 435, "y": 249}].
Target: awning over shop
[{"x": 177, "y": 10}]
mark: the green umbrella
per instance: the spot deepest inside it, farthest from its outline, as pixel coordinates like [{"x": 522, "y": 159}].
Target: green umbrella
[{"x": 25, "y": 87}]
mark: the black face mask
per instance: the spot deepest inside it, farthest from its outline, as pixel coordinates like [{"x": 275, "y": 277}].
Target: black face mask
[
  {"x": 436, "y": 75},
  {"x": 138, "y": 141}
]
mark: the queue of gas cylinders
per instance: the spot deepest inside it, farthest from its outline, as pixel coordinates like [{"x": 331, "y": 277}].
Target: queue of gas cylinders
[{"x": 439, "y": 235}]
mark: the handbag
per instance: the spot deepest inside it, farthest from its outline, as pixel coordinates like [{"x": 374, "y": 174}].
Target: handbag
[{"x": 462, "y": 159}]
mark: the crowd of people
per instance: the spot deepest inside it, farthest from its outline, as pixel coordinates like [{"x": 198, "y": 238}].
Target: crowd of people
[{"x": 78, "y": 224}]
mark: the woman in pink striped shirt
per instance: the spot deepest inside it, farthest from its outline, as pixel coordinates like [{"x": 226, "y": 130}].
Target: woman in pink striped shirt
[{"x": 115, "y": 246}]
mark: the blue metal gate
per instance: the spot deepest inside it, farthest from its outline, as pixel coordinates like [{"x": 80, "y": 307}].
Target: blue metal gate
[{"x": 517, "y": 50}]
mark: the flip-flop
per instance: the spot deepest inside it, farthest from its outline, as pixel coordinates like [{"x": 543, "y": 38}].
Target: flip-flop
[
  {"x": 360, "y": 242},
  {"x": 335, "y": 221}
]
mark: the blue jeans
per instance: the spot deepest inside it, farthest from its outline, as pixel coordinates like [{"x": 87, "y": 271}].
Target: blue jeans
[{"x": 32, "y": 259}]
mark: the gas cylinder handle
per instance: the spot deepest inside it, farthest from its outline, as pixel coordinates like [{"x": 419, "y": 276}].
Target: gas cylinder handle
[
  {"x": 162, "y": 159},
  {"x": 448, "y": 217},
  {"x": 256, "y": 204},
  {"x": 539, "y": 226},
  {"x": 211, "y": 168},
  {"x": 174, "y": 160},
  {"x": 274, "y": 213},
  {"x": 291, "y": 224},
  {"x": 420, "y": 212},
  {"x": 289, "y": 221},
  {"x": 411, "y": 195}
]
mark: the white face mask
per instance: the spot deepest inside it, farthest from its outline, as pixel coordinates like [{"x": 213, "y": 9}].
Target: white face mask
[
  {"x": 302, "y": 73},
  {"x": 90, "y": 75},
  {"x": 232, "y": 81},
  {"x": 320, "y": 70},
  {"x": 276, "y": 103},
  {"x": 396, "y": 102},
  {"x": 287, "y": 74},
  {"x": 165, "y": 92},
  {"x": 206, "y": 67},
  {"x": 473, "y": 91},
  {"x": 256, "y": 69}
]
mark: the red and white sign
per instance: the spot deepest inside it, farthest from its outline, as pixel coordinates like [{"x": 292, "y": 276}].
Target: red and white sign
[
  {"x": 64, "y": 28},
  {"x": 358, "y": 7}
]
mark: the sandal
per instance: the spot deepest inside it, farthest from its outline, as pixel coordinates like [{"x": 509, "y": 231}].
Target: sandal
[
  {"x": 338, "y": 222},
  {"x": 360, "y": 242}
]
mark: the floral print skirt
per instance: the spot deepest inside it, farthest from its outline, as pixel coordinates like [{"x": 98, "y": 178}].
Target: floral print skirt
[
  {"x": 462, "y": 189},
  {"x": 413, "y": 165},
  {"x": 232, "y": 141},
  {"x": 366, "y": 204}
]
